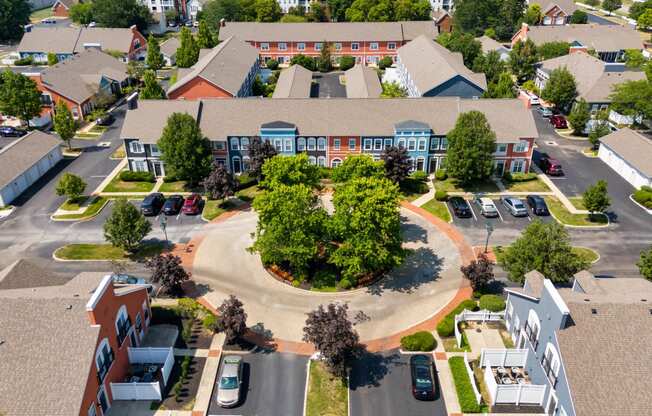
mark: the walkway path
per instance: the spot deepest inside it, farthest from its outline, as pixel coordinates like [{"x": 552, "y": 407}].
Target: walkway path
[{"x": 423, "y": 199}]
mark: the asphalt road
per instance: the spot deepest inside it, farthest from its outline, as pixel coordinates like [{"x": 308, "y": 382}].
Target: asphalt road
[
  {"x": 274, "y": 384},
  {"x": 329, "y": 85},
  {"x": 592, "y": 18},
  {"x": 381, "y": 385}
]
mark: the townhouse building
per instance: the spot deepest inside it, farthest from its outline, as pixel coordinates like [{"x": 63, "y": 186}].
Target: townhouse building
[
  {"x": 162, "y": 6},
  {"x": 328, "y": 130},
  {"x": 66, "y": 343},
  {"x": 555, "y": 12},
  {"x": 228, "y": 70},
  {"x": 585, "y": 344},
  {"x": 367, "y": 42},
  {"x": 64, "y": 42},
  {"x": 61, "y": 8},
  {"x": 293, "y": 82}
]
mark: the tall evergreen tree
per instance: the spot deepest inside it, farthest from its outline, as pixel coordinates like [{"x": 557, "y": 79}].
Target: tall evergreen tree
[
  {"x": 471, "y": 145},
  {"x": 325, "y": 63},
  {"x": 205, "y": 38},
  {"x": 151, "y": 90},
  {"x": 188, "y": 51},
  {"x": 154, "y": 56},
  {"x": 64, "y": 123}
]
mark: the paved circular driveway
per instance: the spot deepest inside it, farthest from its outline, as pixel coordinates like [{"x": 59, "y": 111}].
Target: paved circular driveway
[{"x": 425, "y": 283}]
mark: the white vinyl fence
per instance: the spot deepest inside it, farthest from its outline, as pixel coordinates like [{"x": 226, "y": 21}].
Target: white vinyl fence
[
  {"x": 516, "y": 394},
  {"x": 503, "y": 357},
  {"x": 482, "y": 316},
  {"x": 141, "y": 390},
  {"x": 478, "y": 397}
]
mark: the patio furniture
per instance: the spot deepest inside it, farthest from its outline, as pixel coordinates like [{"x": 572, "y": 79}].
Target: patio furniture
[
  {"x": 521, "y": 380},
  {"x": 507, "y": 380},
  {"x": 134, "y": 379},
  {"x": 501, "y": 371}
]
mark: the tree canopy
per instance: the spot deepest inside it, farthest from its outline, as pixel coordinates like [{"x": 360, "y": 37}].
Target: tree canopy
[
  {"x": 393, "y": 90},
  {"x": 596, "y": 198},
  {"x": 560, "y": 88},
  {"x": 81, "y": 13},
  {"x": 167, "y": 270},
  {"x": 464, "y": 43},
  {"x": 121, "y": 13},
  {"x": 230, "y": 10},
  {"x": 126, "y": 226},
  {"x": 14, "y": 15},
  {"x": 233, "y": 319},
  {"x": 471, "y": 145},
  {"x": 476, "y": 16},
  {"x": 154, "y": 56},
  {"x": 645, "y": 264},
  {"x": 259, "y": 152},
  {"x": 358, "y": 166},
  {"x": 151, "y": 88},
  {"x": 220, "y": 183},
  {"x": 397, "y": 163},
  {"x": 388, "y": 10},
  {"x": 491, "y": 65},
  {"x": 70, "y": 185},
  {"x": 289, "y": 170},
  {"x": 64, "y": 123},
  {"x": 188, "y": 51},
  {"x": 633, "y": 98},
  {"x": 267, "y": 10},
  {"x": 579, "y": 116},
  {"x": 19, "y": 96},
  {"x": 205, "y": 39},
  {"x": 522, "y": 58},
  {"x": 551, "y": 50}
]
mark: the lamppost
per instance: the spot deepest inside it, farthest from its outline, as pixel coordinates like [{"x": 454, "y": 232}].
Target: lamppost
[
  {"x": 164, "y": 222},
  {"x": 490, "y": 229}
]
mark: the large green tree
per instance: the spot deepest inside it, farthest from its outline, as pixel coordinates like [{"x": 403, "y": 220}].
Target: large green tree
[
  {"x": 188, "y": 51},
  {"x": 259, "y": 152},
  {"x": 612, "y": 5},
  {"x": 645, "y": 264},
  {"x": 544, "y": 247},
  {"x": 151, "y": 88},
  {"x": 633, "y": 98},
  {"x": 289, "y": 170},
  {"x": 551, "y": 50},
  {"x": 412, "y": 10},
  {"x": 503, "y": 88},
  {"x": 290, "y": 227},
  {"x": 70, "y": 185},
  {"x": 464, "y": 43},
  {"x": 19, "y": 96},
  {"x": 476, "y": 16},
  {"x": 325, "y": 63},
  {"x": 185, "y": 151},
  {"x": 522, "y": 59},
  {"x": 397, "y": 163},
  {"x": 579, "y": 116},
  {"x": 14, "y": 15},
  {"x": 636, "y": 9},
  {"x": 358, "y": 166},
  {"x": 471, "y": 145},
  {"x": 393, "y": 90},
  {"x": 268, "y": 11},
  {"x": 229, "y": 10},
  {"x": 121, "y": 13},
  {"x": 82, "y": 13},
  {"x": 205, "y": 39},
  {"x": 126, "y": 226},
  {"x": 533, "y": 14},
  {"x": 560, "y": 88},
  {"x": 154, "y": 57},
  {"x": 596, "y": 198},
  {"x": 491, "y": 64},
  {"x": 366, "y": 224},
  {"x": 338, "y": 9},
  {"x": 64, "y": 123}
]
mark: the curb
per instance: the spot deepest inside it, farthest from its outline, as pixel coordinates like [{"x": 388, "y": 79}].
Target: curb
[
  {"x": 59, "y": 259},
  {"x": 106, "y": 202},
  {"x": 8, "y": 214},
  {"x": 631, "y": 197},
  {"x": 595, "y": 251},
  {"x": 305, "y": 392},
  {"x": 583, "y": 227}
]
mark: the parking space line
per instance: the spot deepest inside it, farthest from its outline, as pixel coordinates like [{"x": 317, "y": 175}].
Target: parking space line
[
  {"x": 499, "y": 214},
  {"x": 529, "y": 218},
  {"x": 473, "y": 212},
  {"x": 178, "y": 216}
]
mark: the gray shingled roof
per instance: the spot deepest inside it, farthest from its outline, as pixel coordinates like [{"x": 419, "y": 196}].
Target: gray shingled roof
[
  {"x": 488, "y": 44},
  {"x": 632, "y": 147},
  {"x": 594, "y": 84},
  {"x": 48, "y": 348},
  {"x": 226, "y": 66},
  {"x": 23, "y": 273},
  {"x": 567, "y": 6},
  {"x": 68, "y": 40},
  {"x": 607, "y": 38},
  {"x": 170, "y": 46},
  {"x": 430, "y": 65},
  {"x": 330, "y": 32},
  {"x": 78, "y": 78},
  {"x": 362, "y": 82},
  {"x": 110, "y": 38},
  {"x": 23, "y": 154},
  {"x": 293, "y": 82},
  {"x": 67, "y": 3},
  {"x": 147, "y": 122}
]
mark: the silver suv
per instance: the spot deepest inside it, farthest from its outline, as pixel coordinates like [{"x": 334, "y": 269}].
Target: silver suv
[
  {"x": 515, "y": 206},
  {"x": 487, "y": 207},
  {"x": 229, "y": 381}
]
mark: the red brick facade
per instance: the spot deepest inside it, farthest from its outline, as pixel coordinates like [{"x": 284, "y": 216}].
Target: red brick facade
[
  {"x": 59, "y": 10},
  {"x": 364, "y": 52},
  {"x": 344, "y": 149},
  {"x": 198, "y": 88}
]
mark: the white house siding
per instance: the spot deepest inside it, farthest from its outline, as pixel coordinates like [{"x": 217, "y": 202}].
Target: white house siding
[
  {"x": 28, "y": 177},
  {"x": 624, "y": 169}
]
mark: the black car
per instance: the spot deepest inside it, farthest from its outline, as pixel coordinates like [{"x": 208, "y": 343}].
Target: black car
[
  {"x": 538, "y": 205},
  {"x": 461, "y": 208},
  {"x": 152, "y": 204},
  {"x": 423, "y": 380},
  {"x": 105, "y": 120},
  {"x": 173, "y": 205},
  {"x": 10, "y": 131}
]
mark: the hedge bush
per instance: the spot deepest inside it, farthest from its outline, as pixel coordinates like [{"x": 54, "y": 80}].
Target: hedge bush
[
  {"x": 272, "y": 64},
  {"x": 644, "y": 196},
  {"x": 441, "y": 195},
  {"x": 419, "y": 175},
  {"x": 130, "y": 176},
  {"x": 493, "y": 303},
  {"x": 463, "y": 386},
  {"x": 385, "y": 62},
  {"x": 28, "y": 60},
  {"x": 246, "y": 180},
  {"x": 419, "y": 341},
  {"x": 519, "y": 177},
  {"x": 441, "y": 175},
  {"x": 446, "y": 327}
]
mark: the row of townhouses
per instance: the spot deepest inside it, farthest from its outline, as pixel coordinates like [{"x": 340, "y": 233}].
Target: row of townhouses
[{"x": 328, "y": 130}]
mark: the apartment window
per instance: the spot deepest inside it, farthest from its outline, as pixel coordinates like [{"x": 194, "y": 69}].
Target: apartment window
[
  {"x": 146, "y": 312},
  {"x": 318, "y": 46},
  {"x": 336, "y": 162},
  {"x": 532, "y": 328},
  {"x": 401, "y": 143},
  {"x": 412, "y": 145},
  {"x": 154, "y": 150},
  {"x": 264, "y": 46},
  {"x": 378, "y": 144},
  {"x": 288, "y": 145},
  {"x": 139, "y": 323},
  {"x": 338, "y": 46},
  {"x": 321, "y": 143},
  {"x": 434, "y": 143},
  {"x": 422, "y": 145},
  {"x": 518, "y": 165},
  {"x": 373, "y": 46},
  {"x": 521, "y": 147},
  {"x": 282, "y": 46},
  {"x": 312, "y": 160},
  {"x": 355, "y": 46},
  {"x": 245, "y": 143},
  {"x": 550, "y": 364},
  {"x": 237, "y": 166},
  {"x": 501, "y": 148},
  {"x": 218, "y": 145},
  {"x": 321, "y": 161},
  {"x": 136, "y": 147},
  {"x": 391, "y": 46},
  {"x": 311, "y": 143},
  {"x": 336, "y": 144},
  {"x": 91, "y": 410},
  {"x": 368, "y": 143},
  {"x": 103, "y": 359},
  {"x": 140, "y": 166},
  {"x": 122, "y": 325},
  {"x": 443, "y": 144},
  {"x": 301, "y": 46},
  {"x": 301, "y": 144},
  {"x": 278, "y": 145},
  {"x": 351, "y": 144},
  {"x": 235, "y": 143}
]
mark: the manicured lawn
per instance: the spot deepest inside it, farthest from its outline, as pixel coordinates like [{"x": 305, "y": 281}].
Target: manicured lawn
[
  {"x": 106, "y": 252},
  {"x": 248, "y": 194},
  {"x": 92, "y": 136},
  {"x": 450, "y": 344},
  {"x": 589, "y": 151},
  {"x": 535, "y": 185},
  {"x": 177, "y": 186},
  {"x": 91, "y": 210},
  {"x": 71, "y": 205},
  {"x": 215, "y": 208},
  {"x": 562, "y": 215},
  {"x": 577, "y": 201},
  {"x": 99, "y": 129},
  {"x": 465, "y": 394},
  {"x": 453, "y": 185},
  {"x": 117, "y": 185},
  {"x": 327, "y": 396},
  {"x": 38, "y": 15},
  {"x": 589, "y": 255},
  {"x": 438, "y": 209}
]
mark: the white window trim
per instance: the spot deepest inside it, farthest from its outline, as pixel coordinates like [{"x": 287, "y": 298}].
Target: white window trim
[
  {"x": 301, "y": 144},
  {"x": 136, "y": 147},
  {"x": 321, "y": 143},
  {"x": 301, "y": 46},
  {"x": 373, "y": 46},
  {"x": 352, "y": 144},
  {"x": 336, "y": 162},
  {"x": 337, "y": 144},
  {"x": 355, "y": 46},
  {"x": 312, "y": 143},
  {"x": 391, "y": 46},
  {"x": 264, "y": 46},
  {"x": 318, "y": 46},
  {"x": 282, "y": 46},
  {"x": 235, "y": 143},
  {"x": 368, "y": 144}
]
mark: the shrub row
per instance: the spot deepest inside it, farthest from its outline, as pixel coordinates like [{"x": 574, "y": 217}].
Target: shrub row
[
  {"x": 129, "y": 176},
  {"x": 419, "y": 341},
  {"x": 441, "y": 195},
  {"x": 441, "y": 175},
  {"x": 519, "y": 177},
  {"x": 446, "y": 327},
  {"x": 419, "y": 175},
  {"x": 644, "y": 196},
  {"x": 465, "y": 394},
  {"x": 493, "y": 303},
  {"x": 246, "y": 180}
]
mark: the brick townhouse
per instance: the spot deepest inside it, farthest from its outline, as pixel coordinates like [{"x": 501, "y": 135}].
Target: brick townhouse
[
  {"x": 63, "y": 342},
  {"x": 368, "y": 42},
  {"x": 328, "y": 130},
  {"x": 61, "y": 8}
]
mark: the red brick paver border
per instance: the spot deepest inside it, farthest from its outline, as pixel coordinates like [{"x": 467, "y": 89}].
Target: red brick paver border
[
  {"x": 200, "y": 413},
  {"x": 491, "y": 256},
  {"x": 441, "y": 356}
]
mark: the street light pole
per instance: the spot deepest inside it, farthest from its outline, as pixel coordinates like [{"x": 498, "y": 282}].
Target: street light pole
[
  {"x": 490, "y": 229},
  {"x": 164, "y": 222}
]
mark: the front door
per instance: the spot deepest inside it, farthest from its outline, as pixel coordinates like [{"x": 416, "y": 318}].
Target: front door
[
  {"x": 500, "y": 167},
  {"x": 158, "y": 169},
  {"x": 420, "y": 163},
  {"x": 552, "y": 404},
  {"x": 433, "y": 165},
  {"x": 103, "y": 400}
]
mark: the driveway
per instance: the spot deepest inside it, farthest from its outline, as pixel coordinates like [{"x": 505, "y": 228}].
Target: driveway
[
  {"x": 328, "y": 85},
  {"x": 593, "y": 18},
  {"x": 381, "y": 384},
  {"x": 274, "y": 384},
  {"x": 426, "y": 282}
]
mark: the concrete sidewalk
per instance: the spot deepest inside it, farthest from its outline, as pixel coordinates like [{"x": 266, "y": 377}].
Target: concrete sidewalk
[
  {"x": 203, "y": 399},
  {"x": 423, "y": 199}
]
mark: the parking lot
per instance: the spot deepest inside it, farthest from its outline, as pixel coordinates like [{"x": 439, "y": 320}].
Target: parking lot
[
  {"x": 273, "y": 384},
  {"x": 380, "y": 384},
  {"x": 504, "y": 219}
]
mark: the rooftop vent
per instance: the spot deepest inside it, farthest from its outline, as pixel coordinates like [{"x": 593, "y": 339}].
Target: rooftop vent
[
  {"x": 586, "y": 300},
  {"x": 68, "y": 307},
  {"x": 594, "y": 311}
]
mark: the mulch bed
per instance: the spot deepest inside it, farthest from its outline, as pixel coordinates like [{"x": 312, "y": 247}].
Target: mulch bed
[
  {"x": 287, "y": 278},
  {"x": 239, "y": 345},
  {"x": 200, "y": 338},
  {"x": 190, "y": 384}
]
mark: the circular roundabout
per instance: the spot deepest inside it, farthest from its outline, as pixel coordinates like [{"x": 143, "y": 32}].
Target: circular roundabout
[{"x": 428, "y": 280}]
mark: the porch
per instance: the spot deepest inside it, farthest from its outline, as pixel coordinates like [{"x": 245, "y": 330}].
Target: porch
[{"x": 147, "y": 375}]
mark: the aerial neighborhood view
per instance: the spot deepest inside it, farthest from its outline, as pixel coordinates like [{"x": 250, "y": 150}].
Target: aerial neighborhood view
[{"x": 325, "y": 207}]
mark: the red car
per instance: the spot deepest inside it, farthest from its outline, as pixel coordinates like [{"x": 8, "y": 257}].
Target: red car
[
  {"x": 551, "y": 166},
  {"x": 559, "y": 122},
  {"x": 192, "y": 205}
]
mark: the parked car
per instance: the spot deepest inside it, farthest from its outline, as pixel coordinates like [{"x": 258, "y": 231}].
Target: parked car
[
  {"x": 49, "y": 21},
  {"x": 461, "y": 208},
  {"x": 10, "y": 131},
  {"x": 188, "y": 23},
  {"x": 92, "y": 24},
  {"x": 537, "y": 205},
  {"x": 152, "y": 204},
  {"x": 545, "y": 111},
  {"x": 515, "y": 206},
  {"x": 487, "y": 207},
  {"x": 551, "y": 166},
  {"x": 558, "y": 122},
  {"x": 192, "y": 205},
  {"x": 195, "y": 23},
  {"x": 534, "y": 100},
  {"x": 125, "y": 279},
  {"x": 229, "y": 381},
  {"x": 105, "y": 120},
  {"x": 173, "y": 205},
  {"x": 423, "y": 380},
  {"x": 172, "y": 24}
]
